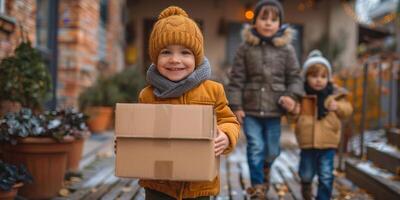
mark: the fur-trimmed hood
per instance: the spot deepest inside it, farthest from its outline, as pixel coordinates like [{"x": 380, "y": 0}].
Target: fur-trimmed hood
[{"x": 281, "y": 41}]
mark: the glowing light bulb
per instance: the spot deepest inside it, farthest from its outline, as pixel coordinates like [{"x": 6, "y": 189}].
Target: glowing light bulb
[{"x": 249, "y": 15}]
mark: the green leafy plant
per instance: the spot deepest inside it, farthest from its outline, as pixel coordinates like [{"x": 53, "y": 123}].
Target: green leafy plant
[
  {"x": 66, "y": 122},
  {"x": 56, "y": 124},
  {"x": 11, "y": 175},
  {"x": 103, "y": 93},
  {"x": 129, "y": 83},
  {"x": 21, "y": 124},
  {"x": 24, "y": 77},
  {"x": 121, "y": 87}
]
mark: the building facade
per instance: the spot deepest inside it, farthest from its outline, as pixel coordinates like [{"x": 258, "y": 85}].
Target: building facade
[
  {"x": 90, "y": 38},
  {"x": 222, "y": 20}
]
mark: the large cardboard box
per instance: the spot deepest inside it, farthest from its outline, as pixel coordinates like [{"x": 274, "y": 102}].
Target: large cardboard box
[{"x": 165, "y": 142}]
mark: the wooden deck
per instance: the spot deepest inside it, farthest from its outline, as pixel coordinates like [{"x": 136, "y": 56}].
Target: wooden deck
[{"x": 98, "y": 180}]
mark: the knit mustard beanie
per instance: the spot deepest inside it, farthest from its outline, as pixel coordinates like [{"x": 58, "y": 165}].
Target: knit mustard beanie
[{"x": 174, "y": 27}]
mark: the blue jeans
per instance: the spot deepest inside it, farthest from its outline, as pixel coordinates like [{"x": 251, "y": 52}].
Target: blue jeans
[
  {"x": 263, "y": 147},
  {"x": 320, "y": 162}
]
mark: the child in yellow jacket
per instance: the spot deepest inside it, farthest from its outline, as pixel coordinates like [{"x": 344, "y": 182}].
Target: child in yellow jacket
[
  {"x": 318, "y": 127},
  {"x": 179, "y": 75}
]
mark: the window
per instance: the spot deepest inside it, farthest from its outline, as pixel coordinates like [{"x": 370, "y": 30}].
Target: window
[
  {"x": 46, "y": 40},
  {"x": 233, "y": 40},
  {"x": 102, "y": 31},
  {"x": 2, "y": 6},
  {"x": 42, "y": 23}
]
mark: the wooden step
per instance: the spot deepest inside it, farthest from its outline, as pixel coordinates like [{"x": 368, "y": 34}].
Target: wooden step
[
  {"x": 384, "y": 156},
  {"x": 378, "y": 183},
  {"x": 370, "y": 136},
  {"x": 393, "y": 137},
  {"x": 95, "y": 145}
]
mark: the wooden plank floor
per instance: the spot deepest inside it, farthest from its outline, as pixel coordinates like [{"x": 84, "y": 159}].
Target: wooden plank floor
[{"x": 98, "y": 180}]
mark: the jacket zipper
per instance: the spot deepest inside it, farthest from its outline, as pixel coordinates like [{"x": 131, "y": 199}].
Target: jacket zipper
[{"x": 263, "y": 82}]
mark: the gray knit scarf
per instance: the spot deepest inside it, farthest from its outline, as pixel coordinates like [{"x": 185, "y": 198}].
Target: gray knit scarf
[{"x": 164, "y": 88}]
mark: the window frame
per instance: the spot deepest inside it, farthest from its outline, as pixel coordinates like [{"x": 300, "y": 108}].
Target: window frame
[{"x": 2, "y": 6}]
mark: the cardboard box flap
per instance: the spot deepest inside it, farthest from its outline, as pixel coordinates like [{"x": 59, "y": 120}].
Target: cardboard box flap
[
  {"x": 164, "y": 121},
  {"x": 308, "y": 105}
]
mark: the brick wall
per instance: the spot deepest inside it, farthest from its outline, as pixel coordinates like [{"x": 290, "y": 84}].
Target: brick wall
[
  {"x": 78, "y": 25},
  {"x": 23, "y": 12},
  {"x": 115, "y": 36},
  {"x": 78, "y": 39}
]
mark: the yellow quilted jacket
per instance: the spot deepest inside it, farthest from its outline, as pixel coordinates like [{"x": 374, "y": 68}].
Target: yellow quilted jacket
[{"x": 207, "y": 93}]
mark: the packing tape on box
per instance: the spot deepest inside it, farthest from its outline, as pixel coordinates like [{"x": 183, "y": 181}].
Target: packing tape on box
[
  {"x": 162, "y": 122},
  {"x": 163, "y": 169}
]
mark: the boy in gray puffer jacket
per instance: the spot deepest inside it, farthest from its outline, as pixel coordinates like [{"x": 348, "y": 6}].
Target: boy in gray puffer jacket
[{"x": 265, "y": 72}]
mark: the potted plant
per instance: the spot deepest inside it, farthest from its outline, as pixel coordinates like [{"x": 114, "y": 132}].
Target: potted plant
[
  {"x": 25, "y": 79},
  {"x": 98, "y": 101},
  {"x": 12, "y": 178},
  {"x": 61, "y": 123},
  {"x": 27, "y": 140}
]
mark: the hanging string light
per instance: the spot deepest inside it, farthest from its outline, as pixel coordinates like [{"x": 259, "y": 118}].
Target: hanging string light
[
  {"x": 305, "y": 4},
  {"x": 248, "y": 12}
]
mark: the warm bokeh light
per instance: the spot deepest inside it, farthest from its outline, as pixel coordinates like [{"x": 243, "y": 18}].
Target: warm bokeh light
[{"x": 249, "y": 15}]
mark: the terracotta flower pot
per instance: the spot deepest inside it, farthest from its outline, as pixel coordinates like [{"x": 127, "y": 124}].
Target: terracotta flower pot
[
  {"x": 75, "y": 154},
  {"x": 10, "y": 195},
  {"x": 45, "y": 159},
  {"x": 99, "y": 118}
]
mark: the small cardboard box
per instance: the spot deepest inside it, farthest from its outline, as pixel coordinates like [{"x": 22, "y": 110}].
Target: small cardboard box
[
  {"x": 308, "y": 105},
  {"x": 165, "y": 142}
]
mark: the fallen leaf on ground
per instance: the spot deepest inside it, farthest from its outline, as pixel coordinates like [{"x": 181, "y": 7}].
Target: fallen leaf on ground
[
  {"x": 75, "y": 180},
  {"x": 126, "y": 189},
  {"x": 64, "y": 192}
]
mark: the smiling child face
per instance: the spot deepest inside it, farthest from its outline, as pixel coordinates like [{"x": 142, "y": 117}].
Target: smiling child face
[{"x": 175, "y": 62}]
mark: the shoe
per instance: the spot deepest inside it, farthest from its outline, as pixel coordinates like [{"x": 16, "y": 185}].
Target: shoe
[
  {"x": 267, "y": 171},
  {"x": 257, "y": 192},
  {"x": 306, "y": 189}
]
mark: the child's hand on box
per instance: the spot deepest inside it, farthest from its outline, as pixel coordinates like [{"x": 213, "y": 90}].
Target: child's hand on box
[{"x": 221, "y": 142}]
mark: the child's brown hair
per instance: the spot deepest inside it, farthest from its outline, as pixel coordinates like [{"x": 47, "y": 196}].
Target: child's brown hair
[
  {"x": 317, "y": 68},
  {"x": 267, "y": 7},
  {"x": 317, "y": 62},
  {"x": 269, "y": 10}
]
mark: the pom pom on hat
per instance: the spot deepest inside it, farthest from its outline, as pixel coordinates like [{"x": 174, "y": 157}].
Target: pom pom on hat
[
  {"x": 172, "y": 10},
  {"x": 315, "y": 53},
  {"x": 316, "y": 57},
  {"x": 174, "y": 27}
]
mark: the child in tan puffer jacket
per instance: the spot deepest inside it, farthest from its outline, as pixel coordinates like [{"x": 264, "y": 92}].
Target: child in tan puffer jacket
[{"x": 318, "y": 126}]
